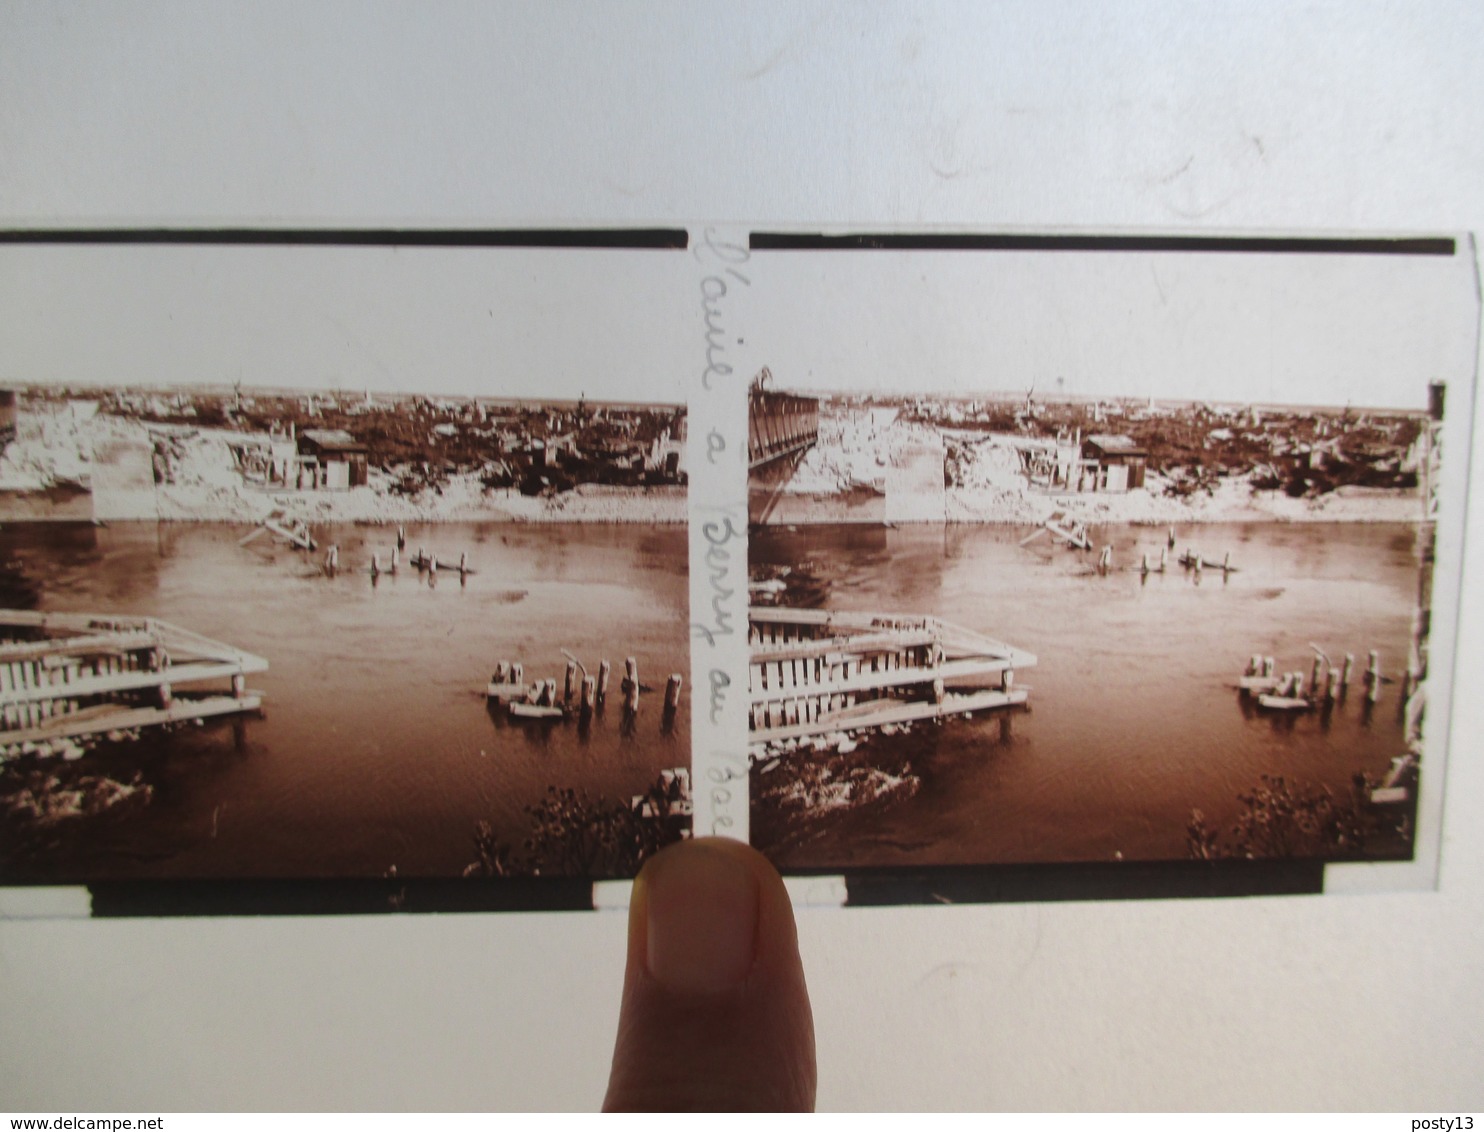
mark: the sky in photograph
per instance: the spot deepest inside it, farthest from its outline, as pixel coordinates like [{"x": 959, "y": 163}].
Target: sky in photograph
[
  {"x": 494, "y": 322},
  {"x": 1363, "y": 330}
]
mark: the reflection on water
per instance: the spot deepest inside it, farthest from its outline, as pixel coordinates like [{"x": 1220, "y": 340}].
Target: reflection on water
[
  {"x": 1133, "y": 717},
  {"x": 377, "y": 749}
]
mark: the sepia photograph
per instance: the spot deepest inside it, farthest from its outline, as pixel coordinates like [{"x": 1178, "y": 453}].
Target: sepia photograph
[
  {"x": 1083, "y": 555},
  {"x": 340, "y": 563}
]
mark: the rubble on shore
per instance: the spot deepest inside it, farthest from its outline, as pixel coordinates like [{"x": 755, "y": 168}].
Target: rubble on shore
[
  {"x": 1204, "y": 465},
  {"x": 185, "y": 459}
]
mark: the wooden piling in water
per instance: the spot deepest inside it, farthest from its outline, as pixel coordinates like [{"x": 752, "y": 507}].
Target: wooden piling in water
[
  {"x": 589, "y": 695},
  {"x": 1347, "y": 671},
  {"x": 672, "y": 692},
  {"x": 1330, "y": 683},
  {"x": 1314, "y": 673},
  {"x": 401, "y": 538},
  {"x": 604, "y": 670},
  {"x": 1172, "y": 538},
  {"x": 1373, "y": 677},
  {"x": 569, "y": 685},
  {"x": 375, "y": 565},
  {"x": 396, "y": 551}
]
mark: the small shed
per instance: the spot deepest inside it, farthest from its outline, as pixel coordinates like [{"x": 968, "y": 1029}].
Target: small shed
[
  {"x": 334, "y": 458},
  {"x": 1115, "y": 463}
]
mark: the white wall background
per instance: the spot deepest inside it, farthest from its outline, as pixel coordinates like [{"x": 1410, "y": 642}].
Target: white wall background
[{"x": 1167, "y": 116}]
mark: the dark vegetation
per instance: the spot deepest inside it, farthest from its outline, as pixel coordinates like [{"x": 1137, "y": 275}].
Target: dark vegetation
[
  {"x": 1292, "y": 820},
  {"x": 575, "y": 834}
]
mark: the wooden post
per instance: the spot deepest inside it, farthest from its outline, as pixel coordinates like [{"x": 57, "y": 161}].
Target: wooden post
[
  {"x": 396, "y": 552},
  {"x": 1347, "y": 671},
  {"x": 1373, "y": 677},
  {"x": 604, "y": 669},
  {"x": 1226, "y": 561},
  {"x": 569, "y": 686},
  {"x": 1163, "y": 558},
  {"x": 464, "y": 562},
  {"x": 517, "y": 673},
  {"x": 1144, "y": 563},
  {"x": 589, "y": 695},
  {"x": 672, "y": 692},
  {"x": 1172, "y": 539},
  {"x": 1007, "y": 679},
  {"x": 1314, "y": 675},
  {"x": 401, "y": 538},
  {"x": 502, "y": 671},
  {"x": 939, "y": 691},
  {"x": 375, "y": 565},
  {"x": 1330, "y": 684}
]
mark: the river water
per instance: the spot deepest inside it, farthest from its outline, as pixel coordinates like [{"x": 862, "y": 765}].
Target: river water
[
  {"x": 1133, "y": 717},
  {"x": 377, "y": 749}
]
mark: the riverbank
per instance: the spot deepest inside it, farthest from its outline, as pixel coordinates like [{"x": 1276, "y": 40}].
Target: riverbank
[
  {"x": 66, "y": 452},
  {"x": 871, "y": 466}
]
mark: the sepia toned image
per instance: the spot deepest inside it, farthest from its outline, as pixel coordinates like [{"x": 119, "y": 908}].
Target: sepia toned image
[
  {"x": 1102, "y": 557},
  {"x": 339, "y": 564}
]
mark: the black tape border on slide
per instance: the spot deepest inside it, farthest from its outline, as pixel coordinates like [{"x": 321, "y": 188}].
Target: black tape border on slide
[
  {"x": 638, "y": 239},
  {"x": 1031, "y": 242},
  {"x": 1107, "y": 880},
  {"x": 955, "y": 884}
]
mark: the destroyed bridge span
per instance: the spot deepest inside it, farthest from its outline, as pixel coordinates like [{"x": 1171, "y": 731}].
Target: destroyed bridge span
[
  {"x": 781, "y": 428},
  {"x": 65, "y": 675},
  {"x": 813, "y": 671}
]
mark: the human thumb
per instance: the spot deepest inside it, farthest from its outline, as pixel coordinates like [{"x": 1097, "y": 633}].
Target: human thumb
[{"x": 715, "y": 1013}]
